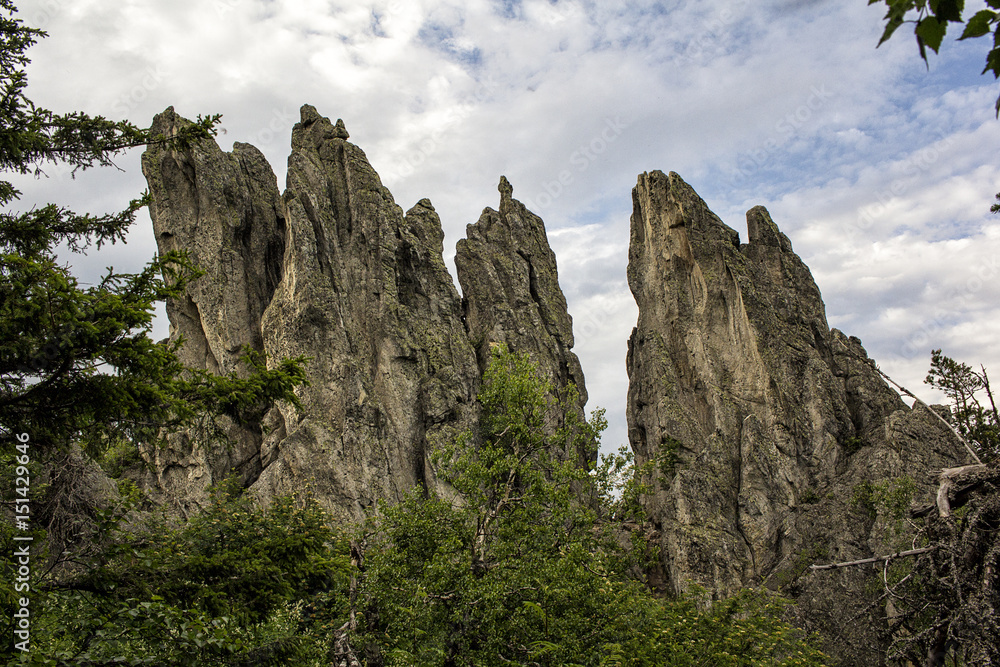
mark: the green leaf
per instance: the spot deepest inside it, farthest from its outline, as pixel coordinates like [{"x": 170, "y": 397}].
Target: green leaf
[
  {"x": 536, "y": 608},
  {"x": 890, "y": 27},
  {"x": 948, "y": 10},
  {"x": 979, "y": 24},
  {"x": 993, "y": 63},
  {"x": 930, "y": 31}
]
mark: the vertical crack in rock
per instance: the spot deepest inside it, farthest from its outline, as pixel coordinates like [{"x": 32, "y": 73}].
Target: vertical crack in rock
[{"x": 735, "y": 374}]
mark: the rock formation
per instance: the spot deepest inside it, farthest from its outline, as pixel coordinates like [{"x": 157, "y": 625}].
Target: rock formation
[
  {"x": 763, "y": 423},
  {"x": 774, "y": 441},
  {"x": 334, "y": 270},
  {"x": 225, "y": 210},
  {"x": 511, "y": 295}
]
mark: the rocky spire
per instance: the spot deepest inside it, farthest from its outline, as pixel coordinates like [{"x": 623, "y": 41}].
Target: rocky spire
[
  {"x": 511, "y": 294},
  {"x": 225, "y": 210},
  {"x": 761, "y": 419},
  {"x": 335, "y": 271},
  {"x": 367, "y": 295}
]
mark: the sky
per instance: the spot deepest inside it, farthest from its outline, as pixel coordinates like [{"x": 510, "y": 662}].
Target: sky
[{"x": 880, "y": 169}]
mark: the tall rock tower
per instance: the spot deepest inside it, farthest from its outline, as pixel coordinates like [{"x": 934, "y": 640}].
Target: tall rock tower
[
  {"x": 763, "y": 422},
  {"x": 511, "y": 295}
]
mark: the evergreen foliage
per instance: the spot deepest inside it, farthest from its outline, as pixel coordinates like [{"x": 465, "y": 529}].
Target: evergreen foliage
[
  {"x": 77, "y": 366},
  {"x": 973, "y": 407},
  {"x": 226, "y": 587}
]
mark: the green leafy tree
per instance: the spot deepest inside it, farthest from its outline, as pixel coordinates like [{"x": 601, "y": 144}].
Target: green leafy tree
[
  {"x": 526, "y": 567},
  {"x": 226, "y": 587},
  {"x": 973, "y": 407},
  {"x": 931, "y": 18},
  {"x": 523, "y": 568}
]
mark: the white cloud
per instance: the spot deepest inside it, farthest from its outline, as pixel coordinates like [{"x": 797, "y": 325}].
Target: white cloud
[{"x": 788, "y": 105}]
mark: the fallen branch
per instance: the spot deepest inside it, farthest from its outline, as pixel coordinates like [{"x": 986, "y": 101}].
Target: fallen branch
[
  {"x": 944, "y": 421},
  {"x": 948, "y": 477},
  {"x": 875, "y": 559},
  {"x": 344, "y": 655}
]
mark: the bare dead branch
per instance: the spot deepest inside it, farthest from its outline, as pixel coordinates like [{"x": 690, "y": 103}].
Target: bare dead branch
[
  {"x": 874, "y": 559},
  {"x": 944, "y": 421}
]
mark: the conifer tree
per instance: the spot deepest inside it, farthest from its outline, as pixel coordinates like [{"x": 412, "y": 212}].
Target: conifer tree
[{"x": 77, "y": 365}]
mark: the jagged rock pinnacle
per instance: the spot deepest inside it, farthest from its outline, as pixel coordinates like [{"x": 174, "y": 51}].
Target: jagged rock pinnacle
[
  {"x": 340, "y": 131},
  {"x": 309, "y": 115},
  {"x": 767, "y": 418},
  {"x": 505, "y": 188},
  {"x": 333, "y": 269},
  {"x": 506, "y": 259},
  {"x": 759, "y": 420}
]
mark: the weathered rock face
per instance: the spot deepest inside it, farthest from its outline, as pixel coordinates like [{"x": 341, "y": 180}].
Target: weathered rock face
[
  {"x": 365, "y": 294},
  {"x": 763, "y": 421},
  {"x": 225, "y": 210},
  {"x": 334, "y": 270},
  {"x": 511, "y": 295}
]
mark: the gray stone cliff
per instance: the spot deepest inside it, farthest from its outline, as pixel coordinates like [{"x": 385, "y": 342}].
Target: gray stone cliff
[
  {"x": 334, "y": 270},
  {"x": 762, "y": 422},
  {"x": 223, "y": 209}
]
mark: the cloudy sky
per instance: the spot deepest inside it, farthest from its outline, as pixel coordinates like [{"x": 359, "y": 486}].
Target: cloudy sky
[{"x": 880, "y": 170}]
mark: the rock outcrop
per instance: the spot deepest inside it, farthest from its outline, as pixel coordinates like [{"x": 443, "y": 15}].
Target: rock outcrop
[
  {"x": 511, "y": 295},
  {"x": 763, "y": 422},
  {"x": 334, "y": 270},
  {"x": 774, "y": 440}
]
